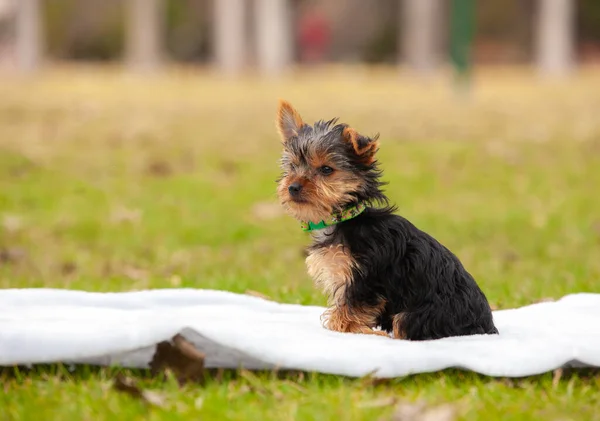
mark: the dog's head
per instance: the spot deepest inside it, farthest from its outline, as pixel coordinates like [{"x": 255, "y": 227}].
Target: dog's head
[{"x": 326, "y": 167}]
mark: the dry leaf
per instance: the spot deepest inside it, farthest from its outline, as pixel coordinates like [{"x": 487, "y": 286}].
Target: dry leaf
[
  {"x": 159, "y": 169},
  {"x": 68, "y": 268},
  {"x": 369, "y": 379},
  {"x": 229, "y": 167},
  {"x": 420, "y": 412},
  {"x": 12, "y": 255},
  {"x": 129, "y": 386},
  {"x": 545, "y": 300},
  {"x": 180, "y": 357}
]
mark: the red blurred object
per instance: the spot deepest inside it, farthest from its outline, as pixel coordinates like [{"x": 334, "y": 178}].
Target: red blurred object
[{"x": 314, "y": 36}]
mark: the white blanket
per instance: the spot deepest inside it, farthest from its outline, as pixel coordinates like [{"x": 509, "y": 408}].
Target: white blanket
[{"x": 46, "y": 326}]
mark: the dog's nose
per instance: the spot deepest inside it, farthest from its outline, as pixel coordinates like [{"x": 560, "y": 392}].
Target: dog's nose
[{"x": 295, "y": 189}]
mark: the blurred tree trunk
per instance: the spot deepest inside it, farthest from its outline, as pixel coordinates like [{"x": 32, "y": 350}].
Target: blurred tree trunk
[
  {"x": 230, "y": 35},
  {"x": 144, "y": 34},
  {"x": 555, "y": 33},
  {"x": 28, "y": 34},
  {"x": 421, "y": 21},
  {"x": 273, "y": 35}
]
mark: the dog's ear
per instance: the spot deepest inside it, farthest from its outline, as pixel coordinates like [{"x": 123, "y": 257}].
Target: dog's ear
[
  {"x": 289, "y": 121},
  {"x": 364, "y": 147}
]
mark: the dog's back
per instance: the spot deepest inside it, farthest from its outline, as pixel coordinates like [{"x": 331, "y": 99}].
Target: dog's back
[{"x": 428, "y": 292}]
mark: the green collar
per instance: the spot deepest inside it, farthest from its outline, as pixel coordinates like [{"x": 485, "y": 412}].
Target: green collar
[{"x": 335, "y": 218}]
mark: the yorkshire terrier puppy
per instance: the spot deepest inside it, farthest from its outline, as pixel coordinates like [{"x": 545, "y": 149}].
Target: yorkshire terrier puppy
[{"x": 377, "y": 268}]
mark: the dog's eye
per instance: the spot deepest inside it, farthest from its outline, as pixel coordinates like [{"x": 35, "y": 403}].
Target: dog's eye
[{"x": 325, "y": 170}]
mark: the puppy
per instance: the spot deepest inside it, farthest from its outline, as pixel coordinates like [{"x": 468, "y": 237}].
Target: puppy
[{"x": 377, "y": 268}]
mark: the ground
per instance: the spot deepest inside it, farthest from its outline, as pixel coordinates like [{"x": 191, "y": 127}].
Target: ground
[{"x": 110, "y": 182}]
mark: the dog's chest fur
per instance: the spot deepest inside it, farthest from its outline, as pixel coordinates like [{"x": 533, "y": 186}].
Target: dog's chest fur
[{"x": 330, "y": 266}]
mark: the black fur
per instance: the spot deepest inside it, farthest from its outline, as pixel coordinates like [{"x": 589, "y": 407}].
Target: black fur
[{"x": 414, "y": 274}]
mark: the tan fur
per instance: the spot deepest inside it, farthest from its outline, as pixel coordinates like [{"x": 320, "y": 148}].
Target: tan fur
[
  {"x": 331, "y": 268},
  {"x": 398, "y": 326},
  {"x": 342, "y": 318},
  {"x": 311, "y": 210},
  {"x": 288, "y": 120},
  {"x": 367, "y": 152},
  {"x": 335, "y": 188},
  {"x": 321, "y": 194}
]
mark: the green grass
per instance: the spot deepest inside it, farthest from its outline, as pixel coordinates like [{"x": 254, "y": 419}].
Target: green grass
[{"x": 111, "y": 183}]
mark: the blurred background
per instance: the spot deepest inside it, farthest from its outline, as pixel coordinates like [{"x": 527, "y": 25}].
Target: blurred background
[
  {"x": 138, "y": 147},
  {"x": 138, "y": 150},
  {"x": 270, "y": 35}
]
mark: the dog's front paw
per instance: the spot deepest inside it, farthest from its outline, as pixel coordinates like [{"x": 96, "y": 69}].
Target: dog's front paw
[{"x": 333, "y": 319}]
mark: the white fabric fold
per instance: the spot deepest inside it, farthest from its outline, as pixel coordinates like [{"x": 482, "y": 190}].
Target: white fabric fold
[{"x": 234, "y": 330}]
